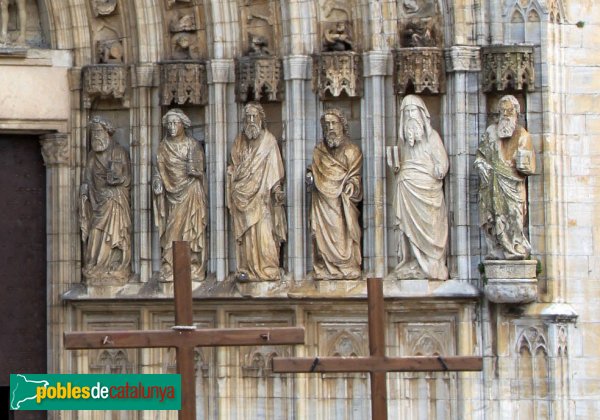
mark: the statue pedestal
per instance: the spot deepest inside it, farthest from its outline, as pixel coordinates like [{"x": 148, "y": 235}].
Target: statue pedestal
[{"x": 510, "y": 281}]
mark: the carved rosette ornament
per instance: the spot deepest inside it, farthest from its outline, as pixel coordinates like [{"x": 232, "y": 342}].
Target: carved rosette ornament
[
  {"x": 508, "y": 67},
  {"x": 258, "y": 78},
  {"x": 183, "y": 82},
  {"x": 419, "y": 67},
  {"x": 338, "y": 72},
  {"x": 104, "y": 81}
]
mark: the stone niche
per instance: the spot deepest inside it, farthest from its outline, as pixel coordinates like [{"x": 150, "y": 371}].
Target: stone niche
[
  {"x": 510, "y": 281},
  {"x": 419, "y": 70},
  {"x": 508, "y": 67},
  {"x": 105, "y": 81},
  {"x": 338, "y": 72},
  {"x": 183, "y": 82}
]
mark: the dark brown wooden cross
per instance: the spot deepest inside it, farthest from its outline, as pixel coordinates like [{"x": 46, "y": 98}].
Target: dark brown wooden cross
[
  {"x": 184, "y": 336},
  {"x": 377, "y": 364}
]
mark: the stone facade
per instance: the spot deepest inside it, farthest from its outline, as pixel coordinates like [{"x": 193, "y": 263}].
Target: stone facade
[{"x": 541, "y": 359}]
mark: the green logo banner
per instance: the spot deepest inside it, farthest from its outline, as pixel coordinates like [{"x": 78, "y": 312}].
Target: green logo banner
[{"x": 95, "y": 392}]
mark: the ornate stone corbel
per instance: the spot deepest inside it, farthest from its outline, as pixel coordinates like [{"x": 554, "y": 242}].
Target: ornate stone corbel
[
  {"x": 105, "y": 81},
  {"x": 508, "y": 66},
  {"x": 55, "y": 149},
  {"x": 258, "y": 78},
  {"x": 183, "y": 82},
  {"x": 419, "y": 67},
  {"x": 337, "y": 72}
]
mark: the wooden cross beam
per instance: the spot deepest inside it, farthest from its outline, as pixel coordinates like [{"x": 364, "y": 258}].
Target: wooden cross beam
[
  {"x": 184, "y": 336},
  {"x": 377, "y": 364}
]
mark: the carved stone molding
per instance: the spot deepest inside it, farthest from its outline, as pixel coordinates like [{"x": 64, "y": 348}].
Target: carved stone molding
[
  {"x": 55, "y": 149},
  {"x": 183, "y": 82},
  {"x": 422, "y": 68},
  {"x": 463, "y": 58},
  {"x": 338, "y": 72},
  {"x": 258, "y": 78},
  {"x": 105, "y": 81},
  {"x": 508, "y": 66}
]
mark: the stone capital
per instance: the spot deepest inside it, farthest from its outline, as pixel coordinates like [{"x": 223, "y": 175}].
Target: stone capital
[
  {"x": 462, "y": 58},
  {"x": 375, "y": 63},
  {"x": 55, "y": 149},
  {"x": 221, "y": 71},
  {"x": 297, "y": 67},
  {"x": 145, "y": 75}
]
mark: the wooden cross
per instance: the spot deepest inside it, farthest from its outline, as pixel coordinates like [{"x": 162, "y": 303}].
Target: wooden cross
[
  {"x": 377, "y": 364},
  {"x": 184, "y": 336}
]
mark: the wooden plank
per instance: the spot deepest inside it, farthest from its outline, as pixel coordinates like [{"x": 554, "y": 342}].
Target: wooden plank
[
  {"x": 182, "y": 277},
  {"x": 203, "y": 337},
  {"x": 377, "y": 364},
  {"x": 376, "y": 312}
]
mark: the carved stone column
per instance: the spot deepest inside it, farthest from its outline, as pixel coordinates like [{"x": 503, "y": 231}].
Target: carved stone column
[
  {"x": 461, "y": 139},
  {"x": 221, "y": 73},
  {"x": 373, "y": 134},
  {"x": 298, "y": 113},
  {"x": 145, "y": 126},
  {"x": 61, "y": 234}
]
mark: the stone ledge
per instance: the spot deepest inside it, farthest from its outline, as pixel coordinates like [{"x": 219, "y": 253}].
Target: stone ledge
[{"x": 277, "y": 290}]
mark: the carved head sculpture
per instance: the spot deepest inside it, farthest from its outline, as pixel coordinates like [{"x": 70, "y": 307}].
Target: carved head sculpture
[
  {"x": 414, "y": 118},
  {"x": 175, "y": 121},
  {"x": 508, "y": 114},
  {"x": 335, "y": 127},
  {"x": 101, "y": 132},
  {"x": 254, "y": 120}
]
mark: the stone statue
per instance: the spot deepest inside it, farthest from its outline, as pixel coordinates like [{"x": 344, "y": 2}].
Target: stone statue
[
  {"x": 256, "y": 199},
  {"x": 105, "y": 206},
  {"x": 335, "y": 179},
  {"x": 338, "y": 38},
  {"x": 180, "y": 195},
  {"x": 22, "y": 11},
  {"x": 504, "y": 159},
  {"x": 420, "y": 164},
  {"x": 258, "y": 45}
]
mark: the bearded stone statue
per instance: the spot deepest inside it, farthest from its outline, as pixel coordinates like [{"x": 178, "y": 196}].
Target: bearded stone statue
[
  {"x": 335, "y": 179},
  {"x": 420, "y": 164},
  {"x": 504, "y": 160}
]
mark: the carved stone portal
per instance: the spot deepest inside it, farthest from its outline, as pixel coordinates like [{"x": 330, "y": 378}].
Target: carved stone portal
[
  {"x": 337, "y": 72},
  {"x": 183, "y": 82},
  {"x": 258, "y": 78},
  {"x": 422, "y": 68},
  {"x": 104, "y": 81},
  {"x": 508, "y": 67}
]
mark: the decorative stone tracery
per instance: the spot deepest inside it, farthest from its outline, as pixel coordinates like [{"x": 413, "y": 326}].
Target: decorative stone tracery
[
  {"x": 508, "y": 67},
  {"x": 419, "y": 68},
  {"x": 105, "y": 81},
  {"x": 258, "y": 78},
  {"x": 336, "y": 73},
  {"x": 183, "y": 82}
]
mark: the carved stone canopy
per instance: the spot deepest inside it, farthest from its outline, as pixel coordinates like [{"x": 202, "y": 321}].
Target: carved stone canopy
[
  {"x": 508, "y": 67},
  {"x": 258, "y": 78},
  {"x": 106, "y": 81},
  {"x": 337, "y": 72},
  {"x": 183, "y": 82},
  {"x": 421, "y": 68}
]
